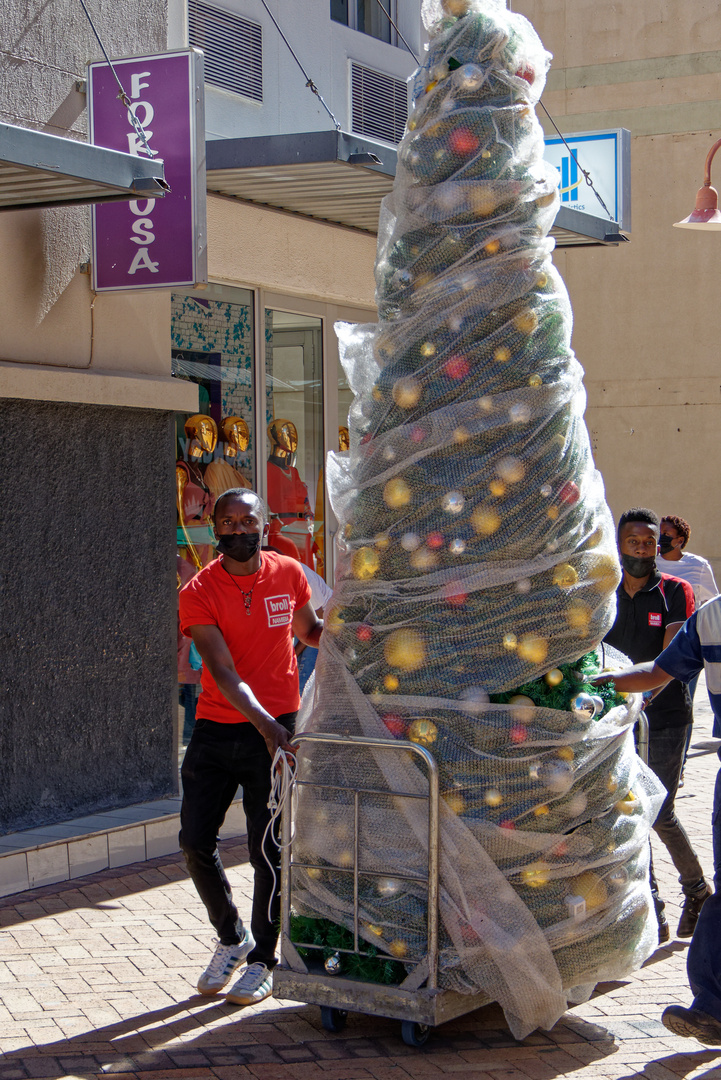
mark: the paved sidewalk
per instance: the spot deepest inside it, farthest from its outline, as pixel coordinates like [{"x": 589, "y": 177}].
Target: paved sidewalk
[{"x": 97, "y": 978}]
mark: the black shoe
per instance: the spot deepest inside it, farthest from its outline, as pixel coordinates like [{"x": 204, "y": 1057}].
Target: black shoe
[
  {"x": 664, "y": 930},
  {"x": 692, "y": 1024},
  {"x": 691, "y": 911}
]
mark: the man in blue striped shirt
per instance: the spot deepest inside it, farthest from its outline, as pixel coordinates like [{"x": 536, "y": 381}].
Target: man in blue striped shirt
[{"x": 696, "y": 647}]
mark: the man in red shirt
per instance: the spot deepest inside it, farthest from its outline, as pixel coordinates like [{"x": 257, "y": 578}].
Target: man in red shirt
[{"x": 241, "y": 611}]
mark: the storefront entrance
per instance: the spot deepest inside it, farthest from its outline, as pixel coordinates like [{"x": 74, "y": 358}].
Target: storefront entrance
[{"x": 273, "y": 400}]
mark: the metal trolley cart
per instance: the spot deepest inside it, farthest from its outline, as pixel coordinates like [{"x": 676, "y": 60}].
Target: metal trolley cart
[{"x": 417, "y": 1002}]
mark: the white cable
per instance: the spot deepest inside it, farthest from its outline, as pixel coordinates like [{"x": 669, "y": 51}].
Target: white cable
[{"x": 282, "y": 781}]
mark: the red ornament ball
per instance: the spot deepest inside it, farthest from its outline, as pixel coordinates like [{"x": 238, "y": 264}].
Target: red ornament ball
[
  {"x": 435, "y": 540},
  {"x": 526, "y": 73},
  {"x": 395, "y": 724},
  {"x": 463, "y": 142},
  {"x": 569, "y": 493},
  {"x": 456, "y": 367},
  {"x": 364, "y": 632},
  {"x": 519, "y": 734},
  {"x": 507, "y": 825},
  {"x": 417, "y": 433}
]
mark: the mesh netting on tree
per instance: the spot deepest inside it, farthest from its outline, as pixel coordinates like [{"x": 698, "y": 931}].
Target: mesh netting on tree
[{"x": 476, "y": 559}]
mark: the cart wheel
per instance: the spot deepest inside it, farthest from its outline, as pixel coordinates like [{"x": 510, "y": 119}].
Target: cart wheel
[
  {"x": 414, "y": 1034},
  {"x": 333, "y": 1019}
]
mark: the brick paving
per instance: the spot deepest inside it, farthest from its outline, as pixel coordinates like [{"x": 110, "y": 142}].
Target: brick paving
[{"x": 97, "y": 979}]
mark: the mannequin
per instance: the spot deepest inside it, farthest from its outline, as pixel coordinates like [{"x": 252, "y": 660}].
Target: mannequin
[
  {"x": 220, "y": 475},
  {"x": 287, "y": 494},
  {"x": 202, "y": 431}
]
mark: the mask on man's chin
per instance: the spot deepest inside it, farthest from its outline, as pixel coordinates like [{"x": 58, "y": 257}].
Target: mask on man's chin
[
  {"x": 637, "y": 567},
  {"x": 239, "y": 546}
]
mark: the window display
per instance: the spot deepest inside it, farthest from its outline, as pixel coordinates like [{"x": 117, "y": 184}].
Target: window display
[{"x": 213, "y": 339}]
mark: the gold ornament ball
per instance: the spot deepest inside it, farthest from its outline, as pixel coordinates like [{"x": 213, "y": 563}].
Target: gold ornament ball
[
  {"x": 365, "y": 563},
  {"x": 391, "y": 682},
  {"x": 535, "y": 381},
  {"x": 398, "y": 948},
  {"x": 565, "y": 753},
  {"x": 502, "y": 355},
  {"x": 493, "y": 797},
  {"x": 541, "y": 811},
  {"x": 552, "y": 513},
  {"x": 483, "y": 201},
  {"x": 397, "y": 493},
  {"x": 565, "y": 576},
  {"x": 628, "y": 804},
  {"x": 510, "y": 642},
  {"x": 536, "y": 875},
  {"x": 456, "y": 803},
  {"x": 333, "y": 622},
  {"x": 541, "y": 280},
  {"x": 591, "y": 887},
  {"x": 532, "y": 648},
  {"x": 485, "y": 521},
  {"x": 578, "y": 615},
  {"x": 405, "y": 649},
  {"x": 485, "y": 404},
  {"x": 423, "y": 732},
  {"x": 377, "y": 394},
  {"x": 456, "y": 8},
  {"x": 406, "y": 393},
  {"x": 521, "y": 699},
  {"x": 382, "y": 541},
  {"x": 492, "y": 247},
  {"x": 428, "y": 349},
  {"x": 314, "y": 873},
  {"x": 423, "y": 559},
  {"x": 345, "y": 859},
  {"x": 497, "y": 488},
  {"x": 376, "y": 931},
  {"x": 603, "y": 572},
  {"x": 526, "y": 322},
  {"x": 554, "y": 677},
  {"x": 460, "y": 435}
]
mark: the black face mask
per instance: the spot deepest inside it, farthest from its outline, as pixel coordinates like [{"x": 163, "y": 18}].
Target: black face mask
[
  {"x": 665, "y": 543},
  {"x": 638, "y": 567},
  {"x": 239, "y": 546}
]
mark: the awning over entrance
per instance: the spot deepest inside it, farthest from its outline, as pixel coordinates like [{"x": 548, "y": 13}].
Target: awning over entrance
[
  {"x": 334, "y": 176},
  {"x": 37, "y": 170}
]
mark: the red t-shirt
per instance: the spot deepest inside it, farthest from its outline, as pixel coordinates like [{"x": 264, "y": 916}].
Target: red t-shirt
[{"x": 261, "y": 643}]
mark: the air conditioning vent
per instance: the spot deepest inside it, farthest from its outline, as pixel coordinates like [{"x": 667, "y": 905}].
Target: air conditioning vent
[
  {"x": 379, "y": 104},
  {"x": 233, "y": 49}
]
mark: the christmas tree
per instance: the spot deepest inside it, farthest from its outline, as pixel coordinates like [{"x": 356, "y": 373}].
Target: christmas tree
[{"x": 476, "y": 574}]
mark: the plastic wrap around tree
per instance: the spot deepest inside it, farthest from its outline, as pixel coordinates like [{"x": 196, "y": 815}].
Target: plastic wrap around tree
[{"x": 477, "y": 569}]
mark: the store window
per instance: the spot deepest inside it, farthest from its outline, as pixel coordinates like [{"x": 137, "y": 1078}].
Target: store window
[
  {"x": 365, "y": 15},
  {"x": 212, "y": 346},
  {"x": 294, "y": 430}
]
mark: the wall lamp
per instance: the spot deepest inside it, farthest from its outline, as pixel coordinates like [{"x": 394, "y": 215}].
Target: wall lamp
[{"x": 705, "y": 214}]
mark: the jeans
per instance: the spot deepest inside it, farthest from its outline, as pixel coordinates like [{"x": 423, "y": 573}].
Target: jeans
[
  {"x": 219, "y": 758},
  {"x": 704, "y": 955},
  {"x": 665, "y": 758},
  {"x": 306, "y": 665}
]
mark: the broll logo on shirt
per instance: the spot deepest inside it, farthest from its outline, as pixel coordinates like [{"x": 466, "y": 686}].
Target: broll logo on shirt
[{"x": 279, "y": 609}]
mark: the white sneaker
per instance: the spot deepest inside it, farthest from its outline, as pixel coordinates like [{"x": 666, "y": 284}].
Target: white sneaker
[
  {"x": 226, "y": 960},
  {"x": 255, "y": 984}
]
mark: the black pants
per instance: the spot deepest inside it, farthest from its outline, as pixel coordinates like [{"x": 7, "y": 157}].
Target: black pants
[
  {"x": 665, "y": 756},
  {"x": 219, "y": 758}
]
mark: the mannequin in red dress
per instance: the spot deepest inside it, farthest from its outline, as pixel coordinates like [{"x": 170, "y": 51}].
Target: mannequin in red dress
[{"x": 287, "y": 494}]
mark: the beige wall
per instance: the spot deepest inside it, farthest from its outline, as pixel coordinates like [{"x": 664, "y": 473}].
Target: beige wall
[
  {"x": 647, "y": 314},
  {"x": 288, "y": 253}
]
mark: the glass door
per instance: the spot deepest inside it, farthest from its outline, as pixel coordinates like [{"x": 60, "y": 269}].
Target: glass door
[{"x": 294, "y": 431}]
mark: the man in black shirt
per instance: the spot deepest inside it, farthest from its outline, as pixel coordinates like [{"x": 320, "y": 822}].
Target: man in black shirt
[{"x": 651, "y": 608}]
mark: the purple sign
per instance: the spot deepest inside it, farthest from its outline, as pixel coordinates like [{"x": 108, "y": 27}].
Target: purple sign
[{"x": 152, "y": 243}]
